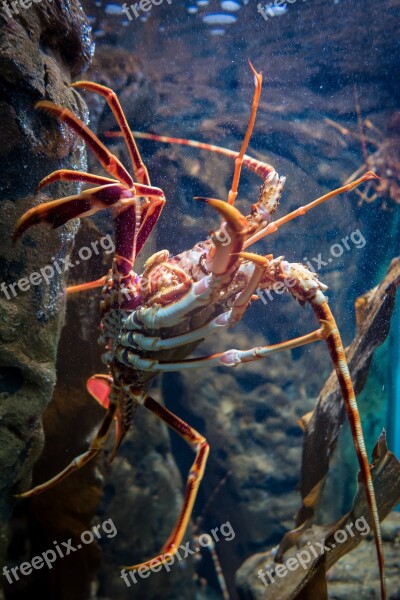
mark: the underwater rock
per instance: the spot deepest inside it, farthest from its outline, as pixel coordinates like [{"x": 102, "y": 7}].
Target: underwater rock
[
  {"x": 65, "y": 511},
  {"x": 354, "y": 577},
  {"x": 41, "y": 49},
  {"x": 123, "y": 72}
]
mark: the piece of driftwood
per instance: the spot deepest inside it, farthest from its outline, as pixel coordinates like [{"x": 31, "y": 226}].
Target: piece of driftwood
[
  {"x": 301, "y": 571},
  {"x": 322, "y": 429}
]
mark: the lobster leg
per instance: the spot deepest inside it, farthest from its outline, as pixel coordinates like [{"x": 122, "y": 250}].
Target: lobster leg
[
  {"x": 229, "y": 358},
  {"x": 199, "y": 444},
  {"x": 107, "y": 160},
  {"x": 68, "y": 175},
  {"x": 335, "y": 346},
  {"x": 149, "y": 343},
  {"x": 58, "y": 212},
  {"x": 89, "y": 285},
  {"x": 96, "y": 445},
  {"x": 139, "y": 167},
  {"x": 302, "y": 210},
  {"x": 306, "y": 288},
  {"x": 243, "y": 299}
]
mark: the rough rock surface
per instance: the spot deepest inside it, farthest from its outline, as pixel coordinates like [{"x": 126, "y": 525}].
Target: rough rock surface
[
  {"x": 354, "y": 576},
  {"x": 41, "y": 49}
]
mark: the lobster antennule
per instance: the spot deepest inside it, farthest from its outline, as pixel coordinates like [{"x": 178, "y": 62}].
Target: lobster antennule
[{"x": 233, "y": 192}]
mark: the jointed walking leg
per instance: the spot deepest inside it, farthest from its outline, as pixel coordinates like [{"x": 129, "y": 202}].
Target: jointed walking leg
[{"x": 200, "y": 446}]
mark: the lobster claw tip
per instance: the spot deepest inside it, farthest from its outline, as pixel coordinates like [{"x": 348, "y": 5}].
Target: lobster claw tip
[
  {"x": 232, "y": 215},
  {"x": 371, "y": 175}
]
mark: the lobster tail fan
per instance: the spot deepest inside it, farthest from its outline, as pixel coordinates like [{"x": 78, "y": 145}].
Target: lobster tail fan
[{"x": 99, "y": 387}]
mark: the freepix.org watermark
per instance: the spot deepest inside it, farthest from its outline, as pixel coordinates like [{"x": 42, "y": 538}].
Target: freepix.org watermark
[
  {"x": 60, "y": 265},
  {"x": 141, "y": 8},
  {"x": 274, "y": 9},
  {"x": 60, "y": 551},
  {"x": 314, "y": 550},
  {"x": 182, "y": 552},
  {"x": 354, "y": 240},
  {"x": 13, "y": 7}
]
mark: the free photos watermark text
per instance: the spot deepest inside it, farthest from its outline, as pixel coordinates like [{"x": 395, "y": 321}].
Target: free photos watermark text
[
  {"x": 314, "y": 550},
  {"x": 48, "y": 557},
  {"x": 59, "y": 265}
]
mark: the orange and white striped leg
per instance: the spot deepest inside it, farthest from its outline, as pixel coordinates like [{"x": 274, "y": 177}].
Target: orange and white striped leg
[
  {"x": 89, "y": 285},
  {"x": 335, "y": 346},
  {"x": 302, "y": 210}
]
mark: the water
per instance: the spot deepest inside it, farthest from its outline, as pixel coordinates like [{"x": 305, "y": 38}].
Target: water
[{"x": 328, "y": 112}]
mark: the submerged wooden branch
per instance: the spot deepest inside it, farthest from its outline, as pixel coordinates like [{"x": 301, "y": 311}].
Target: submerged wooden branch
[
  {"x": 301, "y": 571},
  {"x": 373, "y": 311},
  {"x": 322, "y": 428}
]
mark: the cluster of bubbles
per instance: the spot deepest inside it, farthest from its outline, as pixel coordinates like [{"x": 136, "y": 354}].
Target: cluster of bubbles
[
  {"x": 217, "y": 14},
  {"x": 217, "y": 21}
]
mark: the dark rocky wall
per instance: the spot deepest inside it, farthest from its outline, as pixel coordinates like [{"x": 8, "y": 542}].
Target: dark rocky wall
[{"x": 41, "y": 49}]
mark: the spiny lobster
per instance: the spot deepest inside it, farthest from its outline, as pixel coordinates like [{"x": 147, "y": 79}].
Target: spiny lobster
[{"x": 151, "y": 323}]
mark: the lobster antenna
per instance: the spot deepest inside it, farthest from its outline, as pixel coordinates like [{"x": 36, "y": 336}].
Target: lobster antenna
[{"x": 239, "y": 159}]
